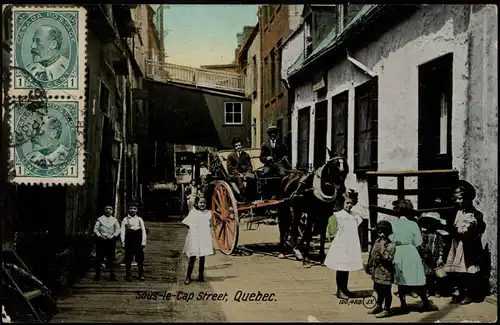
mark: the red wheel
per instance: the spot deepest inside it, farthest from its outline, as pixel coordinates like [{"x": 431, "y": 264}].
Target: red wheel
[{"x": 225, "y": 224}]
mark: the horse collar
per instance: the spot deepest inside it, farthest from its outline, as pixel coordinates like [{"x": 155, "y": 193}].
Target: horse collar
[{"x": 317, "y": 187}]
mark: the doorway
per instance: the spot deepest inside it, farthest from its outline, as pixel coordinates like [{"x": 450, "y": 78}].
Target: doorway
[
  {"x": 106, "y": 183},
  {"x": 434, "y": 124},
  {"x": 320, "y": 130}
]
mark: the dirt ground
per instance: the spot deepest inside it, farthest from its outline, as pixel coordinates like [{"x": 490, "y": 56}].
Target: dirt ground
[{"x": 287, "y": 291}]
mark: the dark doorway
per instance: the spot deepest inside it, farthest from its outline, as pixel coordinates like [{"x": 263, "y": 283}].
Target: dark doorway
[
  {"x": 434, "y": 123},
  {"x": 320, "y": 129},
  {"x": 303, "y": 139},
  {"x": 339, "y": 123},
  {"x": 106, "y": 186}
]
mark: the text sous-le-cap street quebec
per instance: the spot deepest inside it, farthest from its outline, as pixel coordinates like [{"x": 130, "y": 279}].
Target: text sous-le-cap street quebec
[{"x": 249, "y": 163}]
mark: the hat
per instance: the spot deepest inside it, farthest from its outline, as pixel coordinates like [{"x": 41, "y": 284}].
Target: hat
[
  {"x": 404, "y": 206},
  {"x": 384, "y": 227},
  {"x": 466, "y": 188},
  {"x": 236, "y": 140},
  {"x": 432, "y": 219},
  {"x": 272, "y": 128}
]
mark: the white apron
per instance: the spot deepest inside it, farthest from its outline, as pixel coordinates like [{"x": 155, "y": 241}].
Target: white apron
[
  {"x": 199, "y": 237},
  {"x": 345, "y": 252}
]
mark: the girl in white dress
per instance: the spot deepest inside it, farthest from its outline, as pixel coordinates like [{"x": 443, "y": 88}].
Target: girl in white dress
[
  {"x": 199, "y": 237},
  {"x": 344, "y": 254}
]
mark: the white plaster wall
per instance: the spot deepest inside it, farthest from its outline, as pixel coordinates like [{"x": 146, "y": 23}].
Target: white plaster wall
[
  {"x": 395, "y": 58},
  {"x": 481, "y": 159},
  {"x": 292, "y": 49},
  {"x": 254, "y": 50}
]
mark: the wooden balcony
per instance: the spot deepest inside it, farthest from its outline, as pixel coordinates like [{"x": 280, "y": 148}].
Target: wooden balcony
[{"x": 168, "y": 72}]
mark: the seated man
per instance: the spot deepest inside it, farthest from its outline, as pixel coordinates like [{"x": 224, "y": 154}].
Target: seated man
[
  {"x": 239, "y": 166},
  {"x": 272, "y": 153}
]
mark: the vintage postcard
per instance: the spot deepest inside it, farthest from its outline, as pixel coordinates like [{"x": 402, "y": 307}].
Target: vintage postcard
[
  {"x": 48, "y": 49},
  {"x": 283, "y": 163},
  {"x": 48, "y": 142}
]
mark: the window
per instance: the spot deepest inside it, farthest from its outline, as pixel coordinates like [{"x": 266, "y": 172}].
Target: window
[
  {"x": 266, "y": 79},
  {"x": 104, "y": 98},
  {"x": 255, "y": 76},
  {"x": 349, "y": 11},
  {"x": 303, "y": 139},
  {"x": 320, "y": 130},
  {"x": 279, "y": 125},
  {"x": 119, "y": 107},
  {"x": 366, "y": 126},
  {"x": 435, "y": 95},
  {"x": 339, "y": 123},
  {"x": 272, "y": 74},
  {"x": 233, "y": 113},
  {"x": 324, "y": 20},
  {"x": 279, "y": 85}
]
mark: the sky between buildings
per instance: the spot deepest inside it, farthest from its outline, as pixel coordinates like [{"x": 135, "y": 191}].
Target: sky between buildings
[{"x": 204, "y": 34}]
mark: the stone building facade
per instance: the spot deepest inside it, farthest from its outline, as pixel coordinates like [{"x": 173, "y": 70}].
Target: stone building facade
[{"x": 376, "y": 98}]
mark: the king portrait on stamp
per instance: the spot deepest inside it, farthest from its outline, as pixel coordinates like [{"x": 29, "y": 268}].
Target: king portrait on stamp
[
  {"x": 47, "y": 145},
  {"x": 49, "y": 48}
]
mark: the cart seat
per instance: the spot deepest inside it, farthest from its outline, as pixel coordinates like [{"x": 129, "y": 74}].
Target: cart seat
[{"x": 254, "y": 157}]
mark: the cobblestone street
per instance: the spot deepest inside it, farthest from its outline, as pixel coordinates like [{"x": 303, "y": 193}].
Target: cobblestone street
[{"x": 298, "y": 292}]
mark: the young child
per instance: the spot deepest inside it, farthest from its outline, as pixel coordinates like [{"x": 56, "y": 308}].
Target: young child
[
  {"x": 344, "y": 254},
  {"x": 381, "y": 269},
  {"x": 107, "y": 229},
  {"x": 199, "y": 238},
  {"x": 133, "y": 236},
  {"x": 432, "y": 249}
]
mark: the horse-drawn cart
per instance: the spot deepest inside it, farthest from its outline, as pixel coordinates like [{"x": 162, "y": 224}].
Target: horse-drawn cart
[{"x": 226, "y": 211}]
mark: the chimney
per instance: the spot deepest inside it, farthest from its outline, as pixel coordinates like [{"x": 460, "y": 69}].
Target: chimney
[{"x": 247, "y": 30}]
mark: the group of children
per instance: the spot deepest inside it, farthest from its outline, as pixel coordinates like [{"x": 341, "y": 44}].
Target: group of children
[
  {"x": 132, "y": 233},
  {"x": 408, "y": 251}
]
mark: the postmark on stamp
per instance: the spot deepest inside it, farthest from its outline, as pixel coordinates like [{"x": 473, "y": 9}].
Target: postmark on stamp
[
  {"x": 50, "y": 44},
  {"x": 47, "y": 142}
]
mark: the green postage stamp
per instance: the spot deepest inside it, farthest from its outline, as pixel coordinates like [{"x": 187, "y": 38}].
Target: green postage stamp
[
  {"x": 47, "y": 94},
  {"x": 48, "y": 142},
  {"x": 49, "y": 50}
]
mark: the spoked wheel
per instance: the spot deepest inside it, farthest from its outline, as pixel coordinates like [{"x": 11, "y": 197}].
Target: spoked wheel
[{"x": 225, "y": 224}]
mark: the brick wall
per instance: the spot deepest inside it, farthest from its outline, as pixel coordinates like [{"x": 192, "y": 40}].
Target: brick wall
[{"x": 274, "y": 27}]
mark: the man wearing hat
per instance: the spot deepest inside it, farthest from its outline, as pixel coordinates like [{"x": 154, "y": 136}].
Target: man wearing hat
[
  {"x": 271, "y": 154},
  {"x": 239, "y": 167},
  {"x": 464, "y": 257},
  {"x": 133, "y": 237}
]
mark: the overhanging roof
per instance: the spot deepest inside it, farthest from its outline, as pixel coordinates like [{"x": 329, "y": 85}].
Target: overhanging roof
[{"x": 330, "y": 41}]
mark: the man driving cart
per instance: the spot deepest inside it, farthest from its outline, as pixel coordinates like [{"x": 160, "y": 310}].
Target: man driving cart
[{"x": 272, "y": 156}]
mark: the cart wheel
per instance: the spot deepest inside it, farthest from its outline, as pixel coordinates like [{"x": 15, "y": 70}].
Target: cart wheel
[{"x": 225, "y": 223}]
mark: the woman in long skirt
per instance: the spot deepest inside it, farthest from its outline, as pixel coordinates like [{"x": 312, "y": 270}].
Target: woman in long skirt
[
  {"x": 409, "y": 272},
  {"x": 199, "y": 238},
  {"x": 344, "y": 254}
]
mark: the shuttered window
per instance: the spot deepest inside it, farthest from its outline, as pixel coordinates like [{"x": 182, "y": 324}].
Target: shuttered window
[
  {"x": 366, "y": 126},
  {"x": 320, "y": 130},
  {"x": 339, "y": 123},
  {"x": 303, "y": 139}
]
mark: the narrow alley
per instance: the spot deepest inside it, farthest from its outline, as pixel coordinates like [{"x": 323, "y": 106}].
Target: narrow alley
[{"x": 298, "y": 293}]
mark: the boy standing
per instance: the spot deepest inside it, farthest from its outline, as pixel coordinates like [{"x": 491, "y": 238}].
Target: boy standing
[
  {"x": 107, "y": 229},
  {"x": 133, "y": 237}
]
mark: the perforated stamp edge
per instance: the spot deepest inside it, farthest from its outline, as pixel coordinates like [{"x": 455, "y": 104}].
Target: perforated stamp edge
[
  {"x": 81, "y": 126},
  {"x": 82, "y": 50}
]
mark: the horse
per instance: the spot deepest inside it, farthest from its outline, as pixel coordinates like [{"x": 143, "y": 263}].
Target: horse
[{"x": 316, "y": 194}]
